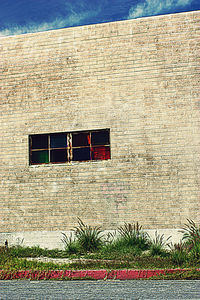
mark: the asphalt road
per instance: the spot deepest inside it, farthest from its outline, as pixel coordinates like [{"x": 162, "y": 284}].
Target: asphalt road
[{"x": 134, "y": 289}]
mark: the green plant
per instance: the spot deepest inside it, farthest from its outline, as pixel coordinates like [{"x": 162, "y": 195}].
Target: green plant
[
  {"x": 89, "y": 238},
  {"x": 35, "y": 251},
  {"x": 133, "y": 235},
  {"x": 109, "y": 237},
  {"x": 192, "y": 274},
  {"x": 158, "y": 245},
  {"x": 191, "y": 236},
  {"x": 71, "y": 246},
  {"x": 178, "y": 257},
  {"x": 178, "y": 253},
  {"x": 119, "y": 249}
]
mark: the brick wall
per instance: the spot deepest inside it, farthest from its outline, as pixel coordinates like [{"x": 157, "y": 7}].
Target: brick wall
[{"x": 140, "y": 78}]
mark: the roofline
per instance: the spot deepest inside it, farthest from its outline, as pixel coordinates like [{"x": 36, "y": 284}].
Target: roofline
[{"x": 99, "y": 24}]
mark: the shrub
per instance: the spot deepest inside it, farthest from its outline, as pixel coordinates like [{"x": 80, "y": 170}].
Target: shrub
[
  {"x": 89, "y": 238},
  {"x": 71, "y": 246},
  {"x": 178, "y": 253},
  {"x": 191, "y": 236},
  {"x": 179, "y": 257},
  {"x": 133, "y": 235},
  {"x": 158, "y": 245},
  {"x": 120, "y": 249}
]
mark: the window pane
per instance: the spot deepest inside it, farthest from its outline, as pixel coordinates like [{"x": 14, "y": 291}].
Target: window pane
[
  {"x": 40, "y": 157},
  {"x": 58, "y": 155},
  {"x": 99, "y": 153},
  {"x": 80, "y": 139},
  {"x": 39, "y": 141},
  {"x": 58, "y": 140},
  {"x": 100, "y": 137},
  {"x": 80, "y": 154}
]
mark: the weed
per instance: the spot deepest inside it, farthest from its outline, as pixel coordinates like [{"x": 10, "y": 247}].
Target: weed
[
  {"x": 71, "y": 246},
  {"x": 35, "y": 251},
  {"x": 158, "y": 245},
  {"x": 179, "y": 257},
  {"x": 119, "y": 249},
  {"x": 109, "y": 237},
  {"x": 191, "y": 236},
  {"x": 179, "y": 275},
  {"x": 133, "y": 235},
  {"x": 89, "y": 238},
  {"x": 178, "y": 253}
]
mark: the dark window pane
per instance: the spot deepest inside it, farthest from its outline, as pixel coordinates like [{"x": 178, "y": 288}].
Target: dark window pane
[
  {"x": 58, "y": 140},
  {"x": 99, "y": 153},
  {"x": 80, "y": 139},
  {"x": 40, "y": 157},
  {"x": 100, "y": 137},
  {"x": 39, "y": 141},
  {"x": 58, "y": 155},
  {"x": 80, "y": 154}
]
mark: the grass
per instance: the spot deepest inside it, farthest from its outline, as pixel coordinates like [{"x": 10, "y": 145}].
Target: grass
[
  {"x": 179, "y": 275},
  {"x": 158, "y": 245},
  {"x": 36, "y": 251},
  {"x": 101, "y": 259},
  {"x": 132, "y": 248},
  {"x": 89, "y": 238},
  {"x": 12, "y": 263}
]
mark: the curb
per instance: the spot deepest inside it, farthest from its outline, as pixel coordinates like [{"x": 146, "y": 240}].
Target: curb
[{"x": 85, "y": 274}]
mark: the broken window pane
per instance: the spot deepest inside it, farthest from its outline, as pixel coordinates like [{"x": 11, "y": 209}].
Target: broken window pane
[
  {"x": 100, "y": 137},
  {"x": 100, "y": 153},
  {"x": 80, "y": 154},
  {"x": 59, "y": 155},
  {"x": 40, "y": 157},
  {"x": 58, "y": 140},
  {"x": 39, "y": 141},
  {"x": 80, "y": 139}
]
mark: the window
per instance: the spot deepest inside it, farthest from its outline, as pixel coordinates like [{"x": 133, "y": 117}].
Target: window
[{"x": 69, "y": 146}]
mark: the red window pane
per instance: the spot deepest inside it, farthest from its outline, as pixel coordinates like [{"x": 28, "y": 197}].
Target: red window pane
[{"x": 100, "y": 153}]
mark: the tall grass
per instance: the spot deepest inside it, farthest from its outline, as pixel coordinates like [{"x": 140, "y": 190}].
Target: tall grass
[
  {"x": 158, "y": 245},
  {"x": 178, "y": 253},
  {"x": 128, "y": 244},
  {"x": 133, "y": 235},
  {"x": 89, "y": 238},
  {"x": 191, "y": 237},
  {"x": 70, "y": 244}
]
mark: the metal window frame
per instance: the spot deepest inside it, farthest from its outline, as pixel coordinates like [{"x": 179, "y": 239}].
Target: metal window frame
[{"x": 69, "y": 148}]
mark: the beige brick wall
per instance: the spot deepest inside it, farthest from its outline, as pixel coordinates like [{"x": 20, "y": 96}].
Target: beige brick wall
[{"x": 140, "y": 78}]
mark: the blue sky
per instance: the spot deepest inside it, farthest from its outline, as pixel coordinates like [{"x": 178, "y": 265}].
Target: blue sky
[{"x": 23, "y": 16}]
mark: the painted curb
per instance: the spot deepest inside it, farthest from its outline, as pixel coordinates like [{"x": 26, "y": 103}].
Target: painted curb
[{"x": 85, "y": 274}]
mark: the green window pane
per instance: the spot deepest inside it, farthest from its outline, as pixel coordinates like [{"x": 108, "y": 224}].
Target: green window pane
[{"x": 40, "y": 157}]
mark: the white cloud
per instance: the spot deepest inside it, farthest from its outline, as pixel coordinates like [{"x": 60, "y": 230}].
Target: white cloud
[
  {"x": 154, "y": 7},
  {"x": 73, "y": 17}
]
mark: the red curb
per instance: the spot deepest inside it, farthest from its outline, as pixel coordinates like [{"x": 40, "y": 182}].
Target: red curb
[{"x": 87, "y": 274}]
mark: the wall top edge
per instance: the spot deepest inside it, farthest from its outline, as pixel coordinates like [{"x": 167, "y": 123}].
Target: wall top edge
[{"x": 74, "y": 28}]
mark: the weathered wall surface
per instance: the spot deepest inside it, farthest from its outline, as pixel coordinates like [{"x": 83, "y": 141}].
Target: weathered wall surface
[{"x": 140, "y": 78}]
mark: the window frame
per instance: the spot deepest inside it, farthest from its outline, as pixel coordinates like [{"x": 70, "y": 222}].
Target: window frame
[{"x": 70, "y": 149}]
